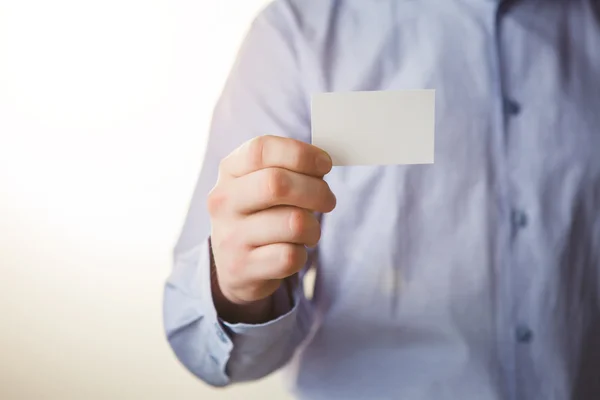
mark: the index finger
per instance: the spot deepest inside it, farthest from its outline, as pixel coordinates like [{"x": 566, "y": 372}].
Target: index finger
[{"x": 276, "y": 152}]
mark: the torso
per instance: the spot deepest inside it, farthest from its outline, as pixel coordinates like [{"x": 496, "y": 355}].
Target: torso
[{"x": 497, "y": 245}]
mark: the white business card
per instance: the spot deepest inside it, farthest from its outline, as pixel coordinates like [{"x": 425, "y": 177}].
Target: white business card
[{"x": 375, "y": 128}]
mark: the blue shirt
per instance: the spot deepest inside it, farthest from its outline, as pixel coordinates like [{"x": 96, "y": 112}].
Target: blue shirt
[{"x": 476, "y": 278}]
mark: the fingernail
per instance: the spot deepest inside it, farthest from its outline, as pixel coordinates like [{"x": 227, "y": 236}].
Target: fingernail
[{"x": 324, "y": 162}]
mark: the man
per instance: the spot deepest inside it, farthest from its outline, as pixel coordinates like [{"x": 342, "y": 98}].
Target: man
[{"x": 477, "y": 277}]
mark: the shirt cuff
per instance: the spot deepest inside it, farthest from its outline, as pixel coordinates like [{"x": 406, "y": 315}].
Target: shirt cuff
[
  {"x": 248, "y": 338},
  {"x": 192, "y": 326}
]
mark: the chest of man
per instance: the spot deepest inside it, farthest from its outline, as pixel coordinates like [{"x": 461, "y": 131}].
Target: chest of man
[{"x": 500, "y": 238}]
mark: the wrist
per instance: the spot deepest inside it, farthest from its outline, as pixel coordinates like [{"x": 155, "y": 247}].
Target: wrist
[{"x": 233, "y": 310}]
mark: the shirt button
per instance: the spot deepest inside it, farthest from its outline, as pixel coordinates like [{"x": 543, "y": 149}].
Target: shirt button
[
  {"x": 220, "y": 333},
  {"x": 519, "y": 219},
  {"x": 512, "y": 107},
  {"x": 523, "y": 334}
]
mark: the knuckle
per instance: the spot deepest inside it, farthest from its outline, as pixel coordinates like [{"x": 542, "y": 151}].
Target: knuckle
[
  {"x": 293, "y": 257},
  {"x": 277, "y": 185},
  {"x": 256, "y": 151},
  {"x": 215, "y": 201}
]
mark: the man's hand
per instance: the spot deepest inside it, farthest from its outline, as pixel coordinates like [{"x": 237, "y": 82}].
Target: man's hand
[{"x": 262, "y": 214}]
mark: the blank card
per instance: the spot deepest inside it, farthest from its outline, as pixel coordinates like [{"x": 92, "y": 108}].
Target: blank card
[{"x": 375, "y": 128}]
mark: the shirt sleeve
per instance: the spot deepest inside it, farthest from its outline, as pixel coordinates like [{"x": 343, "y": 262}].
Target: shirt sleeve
[{"x": 262, "y": 96}]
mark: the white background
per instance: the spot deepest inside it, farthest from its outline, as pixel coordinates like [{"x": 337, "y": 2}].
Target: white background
[{"x": 104, "y": 109}]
